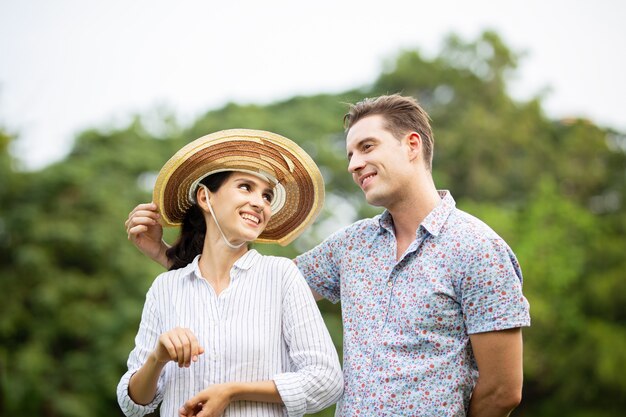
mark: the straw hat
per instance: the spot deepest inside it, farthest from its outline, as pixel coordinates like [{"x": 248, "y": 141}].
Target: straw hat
[{"x": 299, "y": 187}]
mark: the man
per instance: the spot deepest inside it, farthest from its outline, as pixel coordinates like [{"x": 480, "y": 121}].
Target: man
[{"x": 431, "y": 297}]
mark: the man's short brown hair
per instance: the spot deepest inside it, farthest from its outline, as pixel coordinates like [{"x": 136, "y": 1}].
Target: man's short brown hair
[{"x": 402, "y": 115}]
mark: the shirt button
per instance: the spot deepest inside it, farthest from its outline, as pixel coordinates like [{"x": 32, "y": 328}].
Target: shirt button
[
  {"x": 358, "y": 399},
  {"x": 389, "y": 283},
  {"x": 381, "y": 322}
]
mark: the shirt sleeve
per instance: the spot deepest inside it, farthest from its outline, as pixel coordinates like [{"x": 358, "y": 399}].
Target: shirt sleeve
[
  {"x": 316, "y": 381},
  {"x": 147, "y": 336},
  {"x": 492, "y": 289},
  {"x": 321, "y": 266}
]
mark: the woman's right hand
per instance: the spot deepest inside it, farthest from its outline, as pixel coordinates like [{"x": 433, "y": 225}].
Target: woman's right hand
[
  {"x": 146, "y": 233},
  {"x": 179, "y": 345}
]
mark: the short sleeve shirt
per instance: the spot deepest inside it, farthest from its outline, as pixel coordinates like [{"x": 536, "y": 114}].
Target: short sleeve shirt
[{"x": 407, "y": 322}]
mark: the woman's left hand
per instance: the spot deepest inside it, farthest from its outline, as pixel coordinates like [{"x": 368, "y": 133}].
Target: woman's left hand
[{"x": 210, "y": 402}]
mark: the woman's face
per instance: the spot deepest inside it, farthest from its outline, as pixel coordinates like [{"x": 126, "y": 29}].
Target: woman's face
[{"x": 242, "y": 206}]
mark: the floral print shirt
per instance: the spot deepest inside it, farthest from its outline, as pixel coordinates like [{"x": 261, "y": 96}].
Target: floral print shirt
[{"x": 407, "y": 322}]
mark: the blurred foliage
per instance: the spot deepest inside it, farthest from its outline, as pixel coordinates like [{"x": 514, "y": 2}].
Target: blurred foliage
[{"x": 554, "y": 189}]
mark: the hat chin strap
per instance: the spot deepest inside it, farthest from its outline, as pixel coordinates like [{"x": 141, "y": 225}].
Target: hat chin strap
[{"x": 230, "y": 245}]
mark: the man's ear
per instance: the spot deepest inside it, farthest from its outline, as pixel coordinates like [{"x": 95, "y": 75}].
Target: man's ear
[{"x": 414, "y": 143}]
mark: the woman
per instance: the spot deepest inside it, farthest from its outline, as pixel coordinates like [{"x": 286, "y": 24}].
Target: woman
[{"x": 227, "y": 330}]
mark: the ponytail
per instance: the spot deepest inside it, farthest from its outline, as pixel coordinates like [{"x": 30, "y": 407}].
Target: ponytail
[
  {"x": 190, "y": 241},
  {"x": 192, "y": 232}
]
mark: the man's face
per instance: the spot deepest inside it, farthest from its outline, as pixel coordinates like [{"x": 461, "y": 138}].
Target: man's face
[{"x": 379, "y": 163}]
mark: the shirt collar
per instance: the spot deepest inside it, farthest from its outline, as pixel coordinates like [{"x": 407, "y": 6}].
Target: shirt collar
[
  {"x": 385, "y": 221},
  {"x": 244, "y": 263},
  {"x": 247, "y": 260},
  {"x": 435, "y": 220},
  {"x": 433, "y": 223}
]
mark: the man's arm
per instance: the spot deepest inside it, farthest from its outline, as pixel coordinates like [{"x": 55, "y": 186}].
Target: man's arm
[
  {"x": 146, "y": 233},
  {"x": 499, "y": 387},
  {"x": 316, "y": 295}
]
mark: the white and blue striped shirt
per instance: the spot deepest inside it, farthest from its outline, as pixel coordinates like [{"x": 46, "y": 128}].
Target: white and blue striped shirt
[{"x": 264, "y": 326}]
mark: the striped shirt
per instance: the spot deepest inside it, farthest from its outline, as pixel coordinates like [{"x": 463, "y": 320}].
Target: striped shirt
[{"x": 264, "y": 326}]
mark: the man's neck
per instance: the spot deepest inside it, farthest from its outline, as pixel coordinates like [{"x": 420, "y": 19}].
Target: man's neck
[{"x": 409, "y": 213}]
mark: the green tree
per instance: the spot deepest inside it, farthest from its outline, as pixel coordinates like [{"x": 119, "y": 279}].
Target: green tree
[{"x": 554, "y": 189}]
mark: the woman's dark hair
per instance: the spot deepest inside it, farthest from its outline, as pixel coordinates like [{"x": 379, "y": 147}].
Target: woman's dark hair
[{"x": 191, "y": 239}]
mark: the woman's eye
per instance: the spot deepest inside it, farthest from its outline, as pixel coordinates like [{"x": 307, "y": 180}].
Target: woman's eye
[
  {"x": 268, "y": 197},
  {"x": 244, "y": 187}
]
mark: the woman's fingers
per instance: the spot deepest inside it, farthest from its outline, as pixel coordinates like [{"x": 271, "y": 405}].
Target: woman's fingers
[
  {"x": 181, "y": 346},
  {"x": 166, "y": 351},
  {"x": 194, "y": 348}
]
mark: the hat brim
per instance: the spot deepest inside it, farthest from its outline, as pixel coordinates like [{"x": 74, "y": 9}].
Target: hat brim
[{"x": 256, "y": 151}]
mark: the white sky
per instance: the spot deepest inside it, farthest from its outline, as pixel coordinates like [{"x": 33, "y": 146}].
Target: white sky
[{"x": 67, "y": 65}]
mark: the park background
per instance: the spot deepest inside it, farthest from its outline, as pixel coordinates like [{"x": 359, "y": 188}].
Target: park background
[{"x": 551, "y": 184}]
